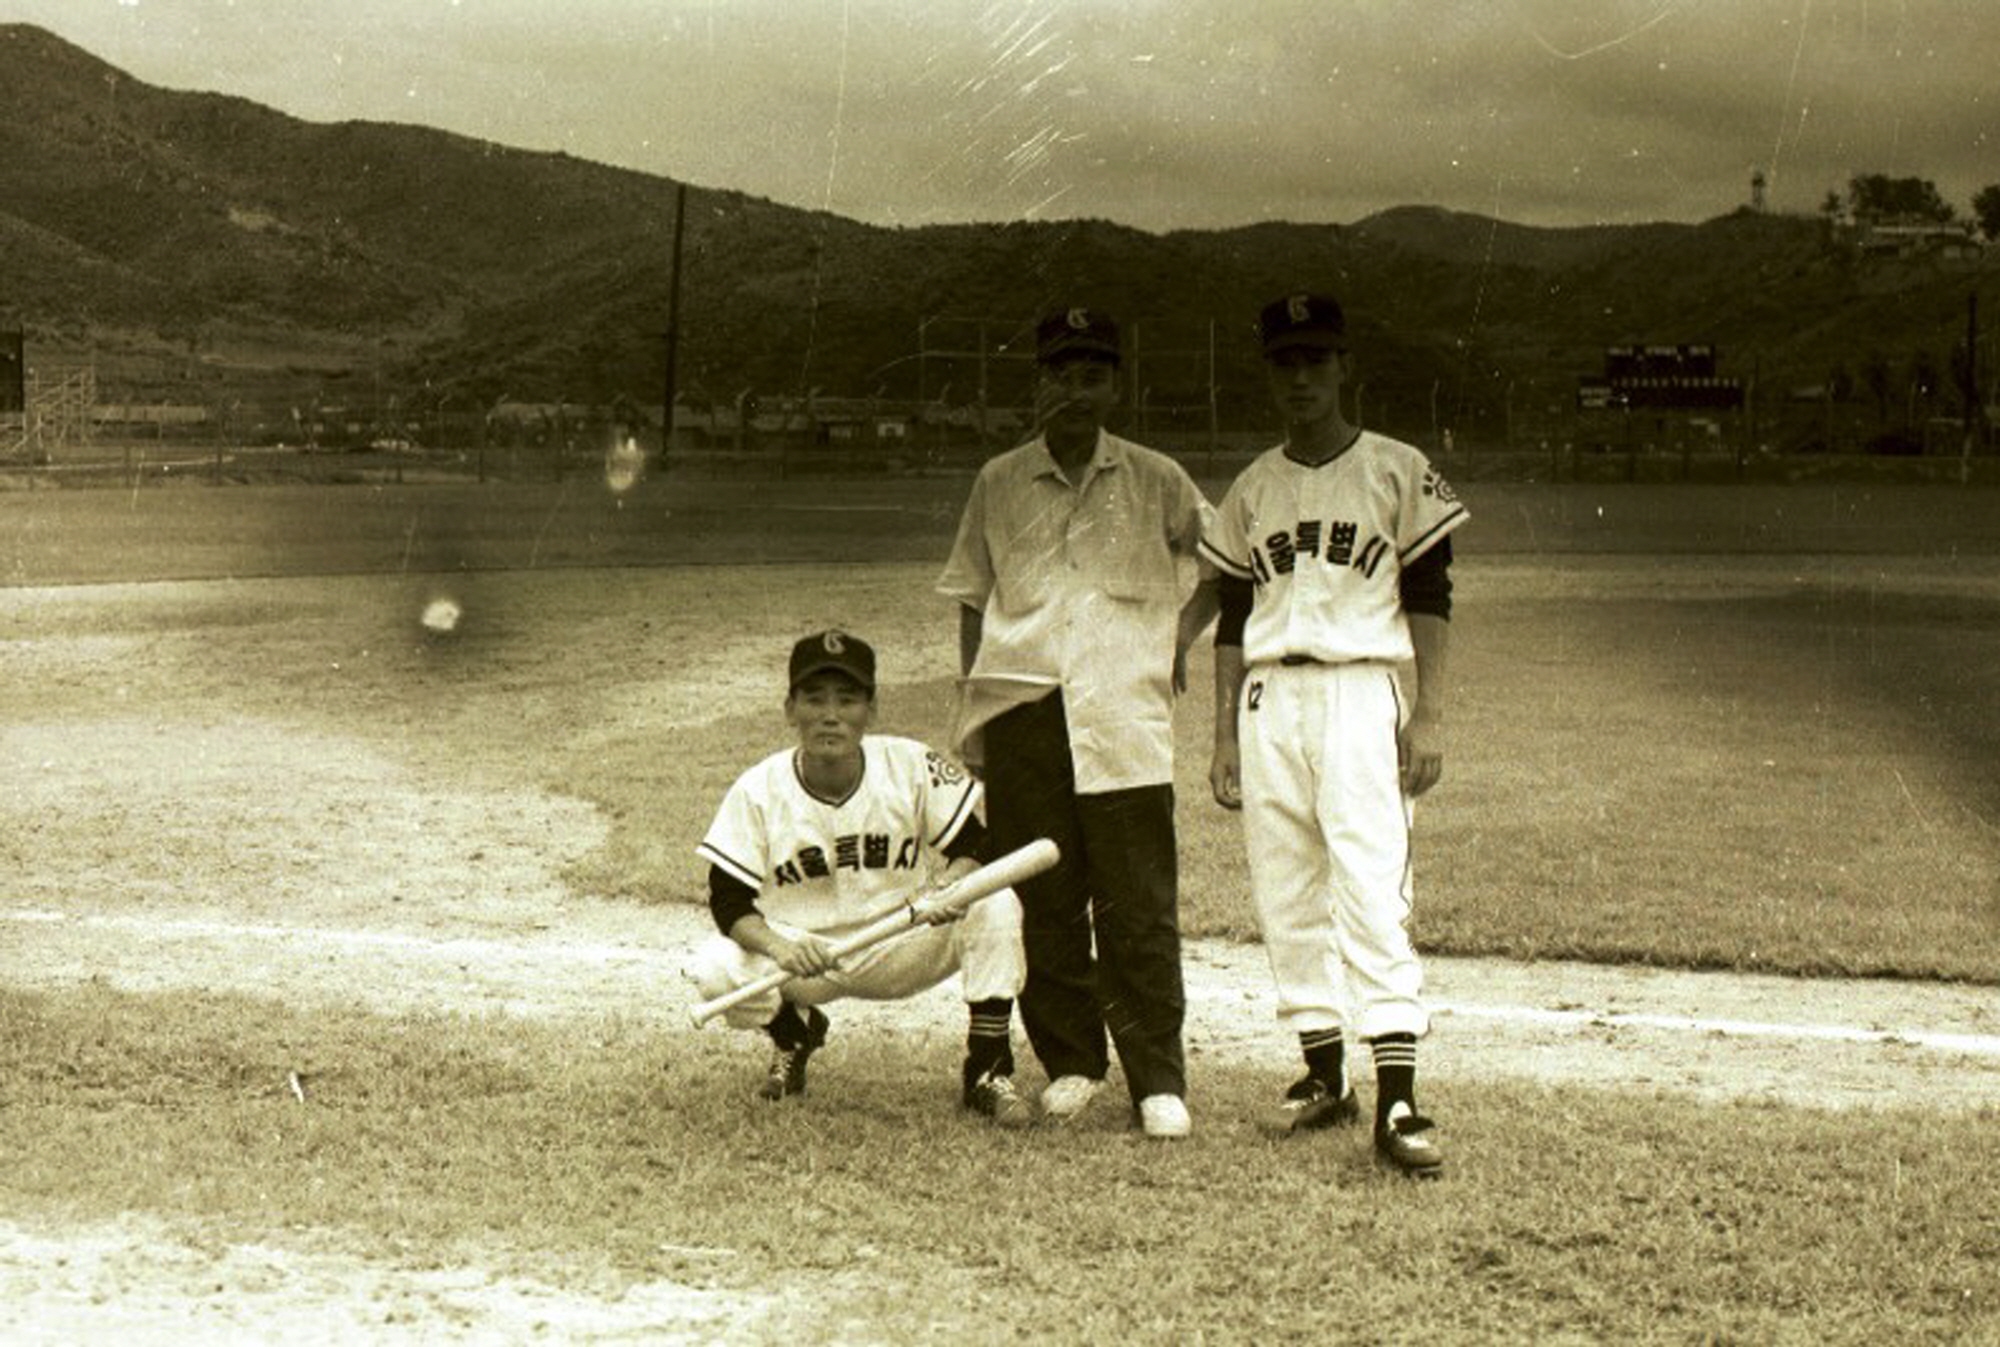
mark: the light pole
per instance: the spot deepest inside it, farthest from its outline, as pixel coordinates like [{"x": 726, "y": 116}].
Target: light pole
[{"x": 671, "y": 391}]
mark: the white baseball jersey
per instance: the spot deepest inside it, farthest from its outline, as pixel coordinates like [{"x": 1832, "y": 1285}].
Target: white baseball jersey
[
  {"x": 1323, "y": 812},
  {"x": 823, "y": 865},
  {"x": 1326, "y": 546}
]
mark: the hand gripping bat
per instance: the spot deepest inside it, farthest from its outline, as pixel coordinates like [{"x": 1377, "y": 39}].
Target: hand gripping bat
[{"x": 1017, "y": 865}]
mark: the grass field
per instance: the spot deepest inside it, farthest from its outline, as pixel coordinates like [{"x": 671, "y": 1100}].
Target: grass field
[
  {"x": 1705, "y": 729},
  {"x": 877, "y": 1217},
  {"x": 1759, "y": 763}
]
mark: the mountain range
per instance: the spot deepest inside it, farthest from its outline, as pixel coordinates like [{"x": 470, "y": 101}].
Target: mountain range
[{"x": 198, "y": 247}]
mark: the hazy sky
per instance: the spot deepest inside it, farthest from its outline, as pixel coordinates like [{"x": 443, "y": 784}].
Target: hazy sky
[{"x": 1155, "y": 113}]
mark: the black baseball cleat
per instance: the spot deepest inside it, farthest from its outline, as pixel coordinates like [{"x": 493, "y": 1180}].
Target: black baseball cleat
[
  {"x": 787, "y": 1075},
  {"x": 1311, "y": 1104},
  {"x": 1407, "y": 1144},
  {"x": 992, "y": 1095}
]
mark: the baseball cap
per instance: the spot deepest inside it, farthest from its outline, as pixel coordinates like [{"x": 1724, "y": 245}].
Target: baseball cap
[
  {"x": 1302, "y": 320},
  {"x": 1076, "y": 334},
  {"x": 836, "y": 650}
]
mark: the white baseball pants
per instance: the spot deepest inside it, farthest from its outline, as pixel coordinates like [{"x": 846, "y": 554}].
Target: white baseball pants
[
  {"x": 1328, "y": 830},
  {"x": 983, "y": 946}
]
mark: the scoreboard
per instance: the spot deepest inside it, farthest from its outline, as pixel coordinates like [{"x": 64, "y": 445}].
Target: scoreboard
[{"x": 1660, "y": 376}]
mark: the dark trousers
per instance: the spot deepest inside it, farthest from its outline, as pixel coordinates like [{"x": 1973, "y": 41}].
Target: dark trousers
[{"x": 1116, "y": 886}]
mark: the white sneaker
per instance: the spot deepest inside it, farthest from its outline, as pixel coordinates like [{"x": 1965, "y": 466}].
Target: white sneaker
[
  {"x": 1165, "y": 1116},
  {"x": 1065, "y": 1096}
]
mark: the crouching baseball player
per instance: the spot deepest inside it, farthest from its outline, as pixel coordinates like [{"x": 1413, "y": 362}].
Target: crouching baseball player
[{"x": 815, "y": 842}]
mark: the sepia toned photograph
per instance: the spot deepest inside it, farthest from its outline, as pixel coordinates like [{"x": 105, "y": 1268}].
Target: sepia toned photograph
[{"x": 860, "y": 671}]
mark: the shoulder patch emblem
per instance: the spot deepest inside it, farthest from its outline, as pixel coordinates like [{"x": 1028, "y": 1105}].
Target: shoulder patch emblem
[
  {"x": 1435, "y": 485},
  {"x": 943, "y": 771}
]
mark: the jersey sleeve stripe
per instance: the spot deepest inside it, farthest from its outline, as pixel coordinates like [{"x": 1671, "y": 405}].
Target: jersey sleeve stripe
[
  {"x": 729, "y": 865},
  {"x": 1221, "y": 562},
  {"x": 1426, "y": 541},
  {"x": 966, "y": 803}
]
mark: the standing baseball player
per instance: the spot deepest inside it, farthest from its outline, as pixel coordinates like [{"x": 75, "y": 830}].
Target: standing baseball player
[
  {"x": 1074, "y": 575},
  {"x": 1334, "y": 550},
  {"x": 815, "y": 842}
]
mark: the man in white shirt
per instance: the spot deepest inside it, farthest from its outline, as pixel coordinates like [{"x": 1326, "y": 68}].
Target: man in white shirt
[{"x": 1075, "y": 576}]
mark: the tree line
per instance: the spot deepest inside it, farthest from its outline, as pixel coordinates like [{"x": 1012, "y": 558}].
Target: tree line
[{"x": 1879, "y": 198}]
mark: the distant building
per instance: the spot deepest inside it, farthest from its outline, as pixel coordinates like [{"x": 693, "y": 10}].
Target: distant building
[
  {"x": 148, "y": 414},
  {"x": 1953, "y": 242}
]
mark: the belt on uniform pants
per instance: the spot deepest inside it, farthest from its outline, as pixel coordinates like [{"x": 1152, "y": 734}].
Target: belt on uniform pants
[{"x": 1294, "y": 661}]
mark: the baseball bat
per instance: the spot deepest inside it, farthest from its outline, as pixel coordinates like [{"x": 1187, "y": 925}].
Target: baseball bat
[{"x": 1003, "y": 873}]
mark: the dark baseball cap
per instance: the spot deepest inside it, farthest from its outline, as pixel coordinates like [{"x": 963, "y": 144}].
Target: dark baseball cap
[
  {"x": 834, "y": 650},
  {"x": 1076, "y": 334},
  {"x": 1302, "y": 320}
]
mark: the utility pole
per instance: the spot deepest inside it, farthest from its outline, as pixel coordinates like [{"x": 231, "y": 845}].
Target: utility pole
[
  {"x": 932, "y": 451},
  {"x": 1138, "y": 394},
  {"x": 1975, "y": 413},
  {"x": 1214, "y": 399},
  {"x": 671, "y": 391},
  {"x": 983, "y": 391}
]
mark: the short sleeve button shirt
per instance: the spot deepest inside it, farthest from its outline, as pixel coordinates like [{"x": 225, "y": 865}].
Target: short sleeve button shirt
[{"x": 1080, "y": 586}]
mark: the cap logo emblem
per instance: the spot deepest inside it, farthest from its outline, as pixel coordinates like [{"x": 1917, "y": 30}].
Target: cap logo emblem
[
  {"x": 834, "y": 645},
  {"x": 1078, "y": 320},
  {"x": 1297, "y": 309}
]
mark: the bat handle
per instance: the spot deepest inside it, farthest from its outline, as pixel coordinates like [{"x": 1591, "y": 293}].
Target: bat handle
[{"x": 703, "y": 1011}]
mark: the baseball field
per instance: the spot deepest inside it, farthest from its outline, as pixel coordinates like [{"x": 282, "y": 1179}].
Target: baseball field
[{"x": 339, "y": 953}]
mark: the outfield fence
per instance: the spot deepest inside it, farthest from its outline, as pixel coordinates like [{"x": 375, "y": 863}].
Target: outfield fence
[{"x": 97, "y": 442}]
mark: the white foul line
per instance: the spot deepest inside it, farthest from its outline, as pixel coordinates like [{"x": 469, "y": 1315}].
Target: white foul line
[
  {"x": 468, "y": 945},
  {"x": 1984, "y": 1045},
  {"x": 1980, "y": 1045}
]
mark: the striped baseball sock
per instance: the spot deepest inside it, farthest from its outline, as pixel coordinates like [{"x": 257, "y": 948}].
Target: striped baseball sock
[
  {"x": 790, "y": 1029},
  {"x": 988, "y": 1043},
  {"x": 1395, "y": 1072},
  {"x": 1325, "y": 1052}
]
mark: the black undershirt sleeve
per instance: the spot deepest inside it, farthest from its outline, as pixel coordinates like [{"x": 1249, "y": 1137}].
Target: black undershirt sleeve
[
  {"x": 1235, "y": 596},
  {"x": 971, "y": 841},
  {"x": 730, "y": 900},
  {"x": 1426, "y": 582}
]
